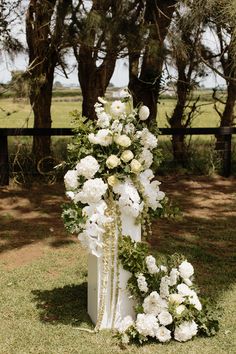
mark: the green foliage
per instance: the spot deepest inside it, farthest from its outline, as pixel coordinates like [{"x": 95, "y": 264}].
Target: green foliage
[{"x": 72, "y": 217}]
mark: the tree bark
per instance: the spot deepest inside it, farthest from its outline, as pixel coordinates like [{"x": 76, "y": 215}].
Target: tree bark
[
  {"x": 44, "y": 45},
  {"x": 145, "y": 85}
]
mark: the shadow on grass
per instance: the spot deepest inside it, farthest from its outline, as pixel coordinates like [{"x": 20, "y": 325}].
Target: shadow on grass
[{"x": 67, "y": 305}]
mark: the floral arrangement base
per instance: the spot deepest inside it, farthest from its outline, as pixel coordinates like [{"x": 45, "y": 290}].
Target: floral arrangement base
[{"x": 108, "y": 309}]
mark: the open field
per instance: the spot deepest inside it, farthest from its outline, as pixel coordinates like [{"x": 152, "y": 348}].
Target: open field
[
  {"x": 19, "y": 114},
  {"x": 43, "y": 270}
]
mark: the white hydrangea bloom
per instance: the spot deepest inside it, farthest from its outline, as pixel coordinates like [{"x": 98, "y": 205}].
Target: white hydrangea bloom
[
  {"x": 87, "y": 167},
  {"x": 125, "y": 324},
  {"x": 151, "y": 265},
  {"x": 163, "y": 334},
  {"x": 92, "y": 191},
  {"x": 103, "y": 137},
  {"x": 148, "y": 140},
  {"x": 142, "y": 284},
  {"x": 186, "y": 270},
  {"x": 154, "y": 304},
  {"x": 146, "y": 158},
  {"x": 117, "y": 108},
  {"x": 71, "y": 180},
  {"x": 147, "y": 325},
  {"x": 185, "y": 331}
]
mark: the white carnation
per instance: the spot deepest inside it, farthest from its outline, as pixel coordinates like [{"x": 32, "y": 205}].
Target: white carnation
[
  {"x": 146, "y": 158},
  {"x": 163, "y": 334},
  {"x": 186, "y": 270},
  {"x": 144, "y": 113},
  {"x": 165, "y": 318},
  {"x": 92, "y": 191},
  {"x": 71, "y": 180},
  {"x": 87, "y": 167},
  {"x": 147, "y": 325},
  {"x": 151, "y": 265},
  {"x": 148, "y": 140},
  {"x": 117, "y": 108},
  {"x": 142, "y": 284},
  {"x": 185, "y": 331},
  {"x": 125, "y": 324},
  {"x": 154, "y": 304},
  {"x": 103, "y": 137}
]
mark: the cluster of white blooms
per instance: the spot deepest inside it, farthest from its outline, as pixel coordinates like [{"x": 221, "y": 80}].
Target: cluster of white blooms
[
  {"x": 142, "y": 284},
  {"x": 121, "y": 154},
  {"x": 151, "y": 265},
  {"x": 162, "y": 308}
]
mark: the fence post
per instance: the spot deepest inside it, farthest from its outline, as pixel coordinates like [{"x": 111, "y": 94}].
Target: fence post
[
  {"x": 4, "y": 165},
  {"x": 227, "y": 155}
]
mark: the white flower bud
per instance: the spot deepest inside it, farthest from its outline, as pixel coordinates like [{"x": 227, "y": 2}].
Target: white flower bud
[
  {"x": 127, "y": 155},
  {"x": 112, "y": 161},
  {"x": 144, "y": 113}
]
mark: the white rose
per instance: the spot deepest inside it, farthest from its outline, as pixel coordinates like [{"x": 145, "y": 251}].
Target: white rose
[
  {"x": 127, "y": 155},
  {"x": 123, "y": 140},
  {"x": 112, "y": 180},
  {"x": 185, "y": 331},
  {"x": 163, "y": 334},
  {"x": 165, "y": 318},
  {"x": 112, "y": 161},
  {"x": 136, "y": 166},
  {"x": 184, "y": 290},
  {"x": 144, "y": 113},
  {"x": 71, "y": 179},
  {"x": 186, "y": 270},
  {"x": 117, "y": 108}
]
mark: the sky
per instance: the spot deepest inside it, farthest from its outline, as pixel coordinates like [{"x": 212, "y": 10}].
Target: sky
[{"x": 119, "y": 78}]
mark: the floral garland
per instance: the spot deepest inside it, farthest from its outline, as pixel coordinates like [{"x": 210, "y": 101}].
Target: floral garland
[
  {"x": 168, "y": 305},
  {"x": 113, "y": 156}
]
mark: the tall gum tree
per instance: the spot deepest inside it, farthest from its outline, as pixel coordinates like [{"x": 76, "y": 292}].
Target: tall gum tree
[
  {"x": 44, "y": 33},
  {"x": 145, "y": 65}
]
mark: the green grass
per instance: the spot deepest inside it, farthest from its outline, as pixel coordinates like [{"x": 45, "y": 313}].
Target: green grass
[
  {"x": 43, "y": 303},
  {"x": 18, "y": 113}
]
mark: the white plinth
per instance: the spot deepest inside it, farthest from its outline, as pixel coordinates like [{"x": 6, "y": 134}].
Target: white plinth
[{"x": 116, "y": 307}]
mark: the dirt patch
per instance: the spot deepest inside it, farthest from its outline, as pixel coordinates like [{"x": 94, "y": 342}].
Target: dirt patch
[{"x": 30, "y": 220}]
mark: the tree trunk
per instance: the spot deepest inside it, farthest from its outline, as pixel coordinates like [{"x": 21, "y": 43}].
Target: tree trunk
[{"x": 145, "y": 85}]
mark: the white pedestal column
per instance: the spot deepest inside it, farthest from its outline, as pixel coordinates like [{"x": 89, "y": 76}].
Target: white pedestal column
[{"x": 115, "y": 307}]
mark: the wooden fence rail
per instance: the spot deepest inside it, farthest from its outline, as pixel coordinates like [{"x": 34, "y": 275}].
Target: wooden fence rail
[{"x": 227, "y": 132}]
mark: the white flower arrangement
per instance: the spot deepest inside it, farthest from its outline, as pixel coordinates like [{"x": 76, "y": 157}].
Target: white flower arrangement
[
  {"x": 167, "y": 308},
  {"x": 114, "y": 157}
]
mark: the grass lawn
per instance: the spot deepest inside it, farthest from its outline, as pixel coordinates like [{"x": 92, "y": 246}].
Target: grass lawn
[
  {"x": 19, "y": 114},
  {"x": 43, "y": 270}
]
